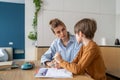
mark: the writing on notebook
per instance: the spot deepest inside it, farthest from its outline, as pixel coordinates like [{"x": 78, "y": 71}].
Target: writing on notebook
[{"x": 53, "y": 73}]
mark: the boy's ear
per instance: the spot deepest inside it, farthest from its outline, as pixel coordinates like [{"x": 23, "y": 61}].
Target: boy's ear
[{"x": 80, "y": 34}]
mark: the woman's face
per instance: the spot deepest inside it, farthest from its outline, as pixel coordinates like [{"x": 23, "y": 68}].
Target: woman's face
[{"x": 60, "y": 32}]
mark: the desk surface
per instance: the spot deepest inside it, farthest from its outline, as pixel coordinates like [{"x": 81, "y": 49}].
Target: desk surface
[{"x": 18, "y": 74}]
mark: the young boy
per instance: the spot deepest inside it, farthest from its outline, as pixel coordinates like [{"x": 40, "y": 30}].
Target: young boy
[{"x": 89, "y": 59}]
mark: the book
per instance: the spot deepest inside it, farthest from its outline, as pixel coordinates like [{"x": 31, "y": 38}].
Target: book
[
  {"x": 53, "y": 73},
  {"x": 5, "y": 65}
]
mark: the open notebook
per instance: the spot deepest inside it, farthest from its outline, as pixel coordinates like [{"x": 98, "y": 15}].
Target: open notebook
[{"x": 53, "y": 73}]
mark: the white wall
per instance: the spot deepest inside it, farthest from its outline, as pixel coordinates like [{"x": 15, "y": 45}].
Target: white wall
[
  {"x": 70, "y": 11},
  {"x": 14, "y": 1},
  {"x": 29, "y": 13},
  {"x": 118, "y": 19}
]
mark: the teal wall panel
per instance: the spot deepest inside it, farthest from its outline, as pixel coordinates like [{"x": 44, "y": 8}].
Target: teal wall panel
[{"x": 12, "y": 27}]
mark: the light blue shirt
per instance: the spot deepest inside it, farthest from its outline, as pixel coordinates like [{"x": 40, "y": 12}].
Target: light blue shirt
[{"x": 68, "y": 52}]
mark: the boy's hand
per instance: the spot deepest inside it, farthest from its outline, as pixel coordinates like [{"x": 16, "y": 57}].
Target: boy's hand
[
  {"x": 58, "y": 57},
  {"x": 53, "y": 64},
  {"x": 57, "y": 65}
]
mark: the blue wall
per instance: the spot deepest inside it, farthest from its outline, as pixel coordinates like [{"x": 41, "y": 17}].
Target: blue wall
[{"x": 12, "y": 27}]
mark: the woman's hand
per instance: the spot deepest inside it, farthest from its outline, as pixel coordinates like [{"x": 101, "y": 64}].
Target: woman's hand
[{"x": 50, "y": 63}]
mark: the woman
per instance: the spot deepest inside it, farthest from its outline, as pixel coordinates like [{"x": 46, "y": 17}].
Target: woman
[{"x": 65, "y": 43}]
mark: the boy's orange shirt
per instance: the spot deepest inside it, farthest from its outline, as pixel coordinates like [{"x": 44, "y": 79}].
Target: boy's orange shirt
[{"x": 88, "y": 60}]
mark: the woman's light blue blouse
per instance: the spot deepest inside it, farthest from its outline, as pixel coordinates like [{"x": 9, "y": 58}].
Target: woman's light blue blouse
[{"x": 68, "y": 52}]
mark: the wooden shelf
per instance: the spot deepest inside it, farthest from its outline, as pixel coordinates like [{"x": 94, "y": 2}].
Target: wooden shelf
[{"x": 39, "y": 51}]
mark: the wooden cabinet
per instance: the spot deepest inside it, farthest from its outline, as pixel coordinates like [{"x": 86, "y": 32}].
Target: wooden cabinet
[
  {"x": 111, "y": 56},
  {"x": 39, "y": 51}
]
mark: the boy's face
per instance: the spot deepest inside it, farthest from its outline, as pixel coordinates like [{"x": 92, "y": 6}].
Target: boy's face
[
  {"x": 61, "y": 32},
  {"x": 78, "y": 37}
]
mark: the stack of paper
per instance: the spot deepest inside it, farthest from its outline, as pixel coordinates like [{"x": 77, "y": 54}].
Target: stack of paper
[
  {"x": 53, "y": 73},
  {"x": 5, "y": 65}
]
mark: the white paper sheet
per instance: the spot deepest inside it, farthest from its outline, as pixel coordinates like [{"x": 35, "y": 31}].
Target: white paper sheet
[{"x": 53, "y": 73}]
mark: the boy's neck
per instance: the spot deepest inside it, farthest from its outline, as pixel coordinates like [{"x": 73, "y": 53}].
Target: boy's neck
[{"x": 86, "y": 41}]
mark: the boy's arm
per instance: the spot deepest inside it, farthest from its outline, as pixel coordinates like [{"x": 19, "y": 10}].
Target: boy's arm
[{"x": 81, "y": 64}]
